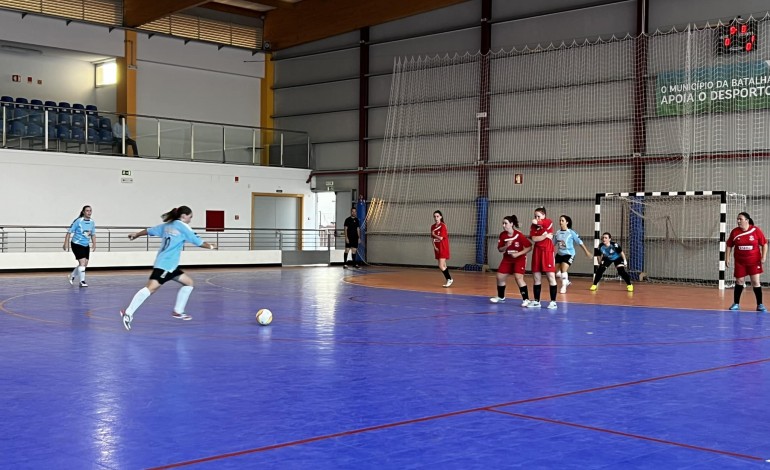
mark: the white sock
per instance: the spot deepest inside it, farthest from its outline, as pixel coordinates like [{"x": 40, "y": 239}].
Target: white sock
[
  {"x": 82, "y": 273},
  {"x": 75, "y": 272},
  {"x": 564, "y": 279},
  {"x": 181, "y": 298},
  {"x": 138, "y": 300}
]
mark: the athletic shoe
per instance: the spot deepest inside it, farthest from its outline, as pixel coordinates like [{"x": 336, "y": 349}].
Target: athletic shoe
[
  {"x": 630, "y": 288},
  {"x": 734, "y": 307},
  {"x": 181, "y": 316},
  {"x": 126, "y": 320},
  {"x": 449, "y": 282},
  {"x": 564, "y": 285},
  {"x": 525, "y": 303},
  {"x": 593, "y": 287},
  {"x": 552, "y": 304},
  {"x": 534, "y": 304},
  {"x": 761, "y": 308},
  {"x": 71, "y": 278},
  {"x": 83, "y": 284},
  {"x": 497, "y": 300},
  {"x": 344, "y": 266}
]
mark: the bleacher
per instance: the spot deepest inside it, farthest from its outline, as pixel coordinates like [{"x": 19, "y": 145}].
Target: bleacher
[{"x": 75, "y": 127}]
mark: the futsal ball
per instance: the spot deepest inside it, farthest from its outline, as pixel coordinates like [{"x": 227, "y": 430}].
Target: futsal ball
[{"x": 264, "y": 316}]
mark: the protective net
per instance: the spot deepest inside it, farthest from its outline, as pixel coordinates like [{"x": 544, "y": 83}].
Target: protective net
[{"x": 483, "y": 136}]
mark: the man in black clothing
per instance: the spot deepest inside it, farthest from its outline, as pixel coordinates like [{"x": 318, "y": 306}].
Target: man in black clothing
[{"x": 352, "y": 230}]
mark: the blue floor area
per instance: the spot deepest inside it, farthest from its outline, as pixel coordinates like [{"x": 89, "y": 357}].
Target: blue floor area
[{"x": 352, "y": 377}]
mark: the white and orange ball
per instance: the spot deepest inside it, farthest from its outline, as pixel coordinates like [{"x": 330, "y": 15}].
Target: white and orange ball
[{"x": 264, "y": 316}]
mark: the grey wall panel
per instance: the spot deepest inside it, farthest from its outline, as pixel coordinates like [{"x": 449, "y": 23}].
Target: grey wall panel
[
  {"x": 617, "y": 19},
  {"x": 345, "y": 40},
  {"x": 317, "y": 68},
  {"x": 336, "y": 155},
  {"x": 463, "y": 15},
  {"x": 317, "y": 98},
  {"x": 587, "y": 141},
  {"x": 378, "y": 119},
  {"x": 502, "y": 9},
  {"x": 610, "y": 101},
  {"x": 451, "y": 43},
  {"x": 379, "y": 89},
  {"x": 375, "y": 152},
  {"x": 665, "y": 14},
  {"x": 326, "y": 127},
  {"x": 573, "y": 66}
]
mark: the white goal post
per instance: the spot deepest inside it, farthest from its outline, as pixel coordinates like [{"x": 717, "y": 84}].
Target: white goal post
[{"x": 675, "y": 236}]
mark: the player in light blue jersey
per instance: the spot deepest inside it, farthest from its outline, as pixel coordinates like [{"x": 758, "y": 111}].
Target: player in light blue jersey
[
  {"x": 83, "y": 235},
  {"x": 565, "y": 240},
  {"x": 175, "y": 231}
]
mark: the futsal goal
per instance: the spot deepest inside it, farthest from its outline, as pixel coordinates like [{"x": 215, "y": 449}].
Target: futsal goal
[{"x": 675, "y": 237}]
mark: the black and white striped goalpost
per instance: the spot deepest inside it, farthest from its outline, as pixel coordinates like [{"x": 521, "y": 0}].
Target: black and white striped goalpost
[{"x": 722, "y": 220}]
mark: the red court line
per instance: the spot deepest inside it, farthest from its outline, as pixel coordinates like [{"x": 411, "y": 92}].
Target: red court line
[
  {"x": 625, "y": 434},
  {"x": 457, "y": 413}
]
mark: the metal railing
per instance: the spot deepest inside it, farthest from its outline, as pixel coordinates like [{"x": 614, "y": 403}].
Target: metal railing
[
  {"x": 42, "y": 239},
  {"x": 82, "y": 130}
]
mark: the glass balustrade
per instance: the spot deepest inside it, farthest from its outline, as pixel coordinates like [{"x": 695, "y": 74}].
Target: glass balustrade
[{"x": 78, "y": 130}]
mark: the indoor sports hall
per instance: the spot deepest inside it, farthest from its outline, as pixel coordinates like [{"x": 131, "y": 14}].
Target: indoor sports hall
[
  {"x": 378, "y": 367},
  {"x": 383, "y": 178}
]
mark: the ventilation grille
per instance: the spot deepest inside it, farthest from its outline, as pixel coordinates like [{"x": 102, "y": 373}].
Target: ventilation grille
[
  {"x": 94, "y": 11},
  {"x": 110, "y": 12},
  {"x": 204, "y": 29}
]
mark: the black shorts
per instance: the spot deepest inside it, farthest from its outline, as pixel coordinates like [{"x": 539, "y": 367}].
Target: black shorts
[
  {"x": 80, "y": 251},
  {"x": 164, "y": 276},
  {"x": 606, "y": 262},
  {"x": 565, "y": 259},
  {"x": 352, "y": 243}
]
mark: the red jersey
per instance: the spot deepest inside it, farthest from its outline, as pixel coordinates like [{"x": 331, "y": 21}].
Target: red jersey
[
  {"x": 518, "y": 243},
  {"x": 440, "y": 247},
  {"x": 747, "y": 244},
  {"x": 536, "y": 230}
]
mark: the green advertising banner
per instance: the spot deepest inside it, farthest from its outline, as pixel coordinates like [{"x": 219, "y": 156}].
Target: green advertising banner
[{"x": 737, "y": 87}]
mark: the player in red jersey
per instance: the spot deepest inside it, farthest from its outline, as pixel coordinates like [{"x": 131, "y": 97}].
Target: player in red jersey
[
  {"x": 514, "y": 246},
  {"x": 440, "y": 236},
  {"x": 543, "y": 258},
  {"x": 750, "y": 254}
]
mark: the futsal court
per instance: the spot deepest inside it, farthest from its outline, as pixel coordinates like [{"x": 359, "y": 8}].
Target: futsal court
[{"x": 378, "y": 368}]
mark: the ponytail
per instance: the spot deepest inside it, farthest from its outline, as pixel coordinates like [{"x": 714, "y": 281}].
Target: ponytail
[{"x": 176, "y": 213}]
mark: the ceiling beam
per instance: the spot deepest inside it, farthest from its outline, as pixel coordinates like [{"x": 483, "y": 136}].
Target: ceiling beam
[
  {"x": 311, "y": 20},
  {"x": 273, "y": 3},
  {"x": 233, "y": 10},
  {"x": 139, "y": 12}
]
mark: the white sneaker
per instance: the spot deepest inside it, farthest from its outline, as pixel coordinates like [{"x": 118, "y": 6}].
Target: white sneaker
[
  {"x": 126, "y": 320},
  {"x": 497, "y": 300},
  {"x": 525, "y": 303},
  {"x": 71, "y": 279},
  {"x": 448, "y": 283},
  {"x": 552, "y": 304},
  {"x": 83, "y": 284},
  {"x": 534, "y": 304},
  {"x": 181, "y": 316},
  {"x": 564, "y": 285}
]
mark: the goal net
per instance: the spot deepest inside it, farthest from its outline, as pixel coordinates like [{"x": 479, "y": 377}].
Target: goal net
[
  {"x": 672, "y": 237},
  {"x": 483, "y": 136}
]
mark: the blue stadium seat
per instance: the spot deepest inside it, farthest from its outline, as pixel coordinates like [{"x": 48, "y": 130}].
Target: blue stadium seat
[
  {"x": 91, "y": 109},
  {"x": 105, "y": 123},
  {"x": 34, "y": 130},
  {"x": 17, "y": 129},
  {"x": 78, "y": 108},
  {"x": 78, "y": 120},
  {"x": 63, "y": 132}
]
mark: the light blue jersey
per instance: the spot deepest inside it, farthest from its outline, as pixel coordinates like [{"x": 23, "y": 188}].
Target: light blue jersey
[
  {"x": 81, "y": 230},
  {"x": 174, "y": 234},
  {"x": 566, "y": 241}
]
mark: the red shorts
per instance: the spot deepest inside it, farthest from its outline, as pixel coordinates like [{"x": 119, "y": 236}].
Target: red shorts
[
  {"x": 513, "y": 266},
  {"x": 543, "y": 261},
  {"x": 743, "y": 269},
  {"x": 441, "y": 250}
]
